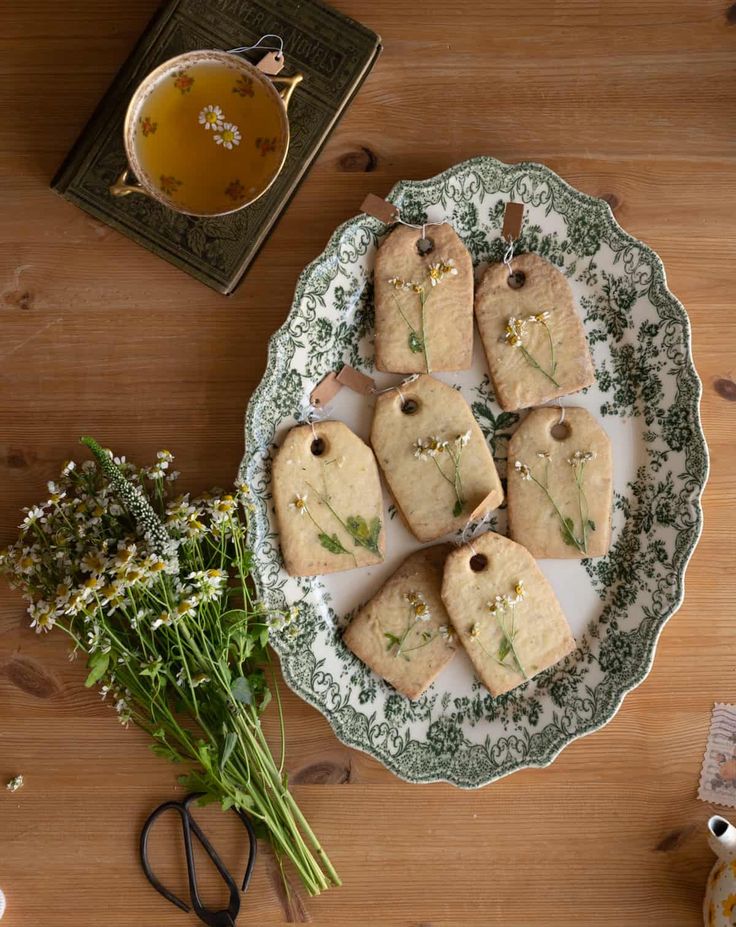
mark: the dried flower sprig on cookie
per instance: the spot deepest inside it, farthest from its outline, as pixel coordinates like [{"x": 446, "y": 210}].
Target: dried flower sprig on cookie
[
  {"x": 362, "y": 532},
  {"x": 516, "y": 333},
  {"x": 502, "y": 611},
  {"x": 434, "y": 448},
  {"x": 437, "y": 272},
  {"x": 571, "y": 535},
  {"x": 416, "y": 634}
]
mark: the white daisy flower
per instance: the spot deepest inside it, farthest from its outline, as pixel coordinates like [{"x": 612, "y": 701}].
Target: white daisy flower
[
  {"x": 419, "y": 608},
  {"x": 524, "y": 472},
  {"x": 211, "y": 117},
  {"x": 229, "y": 136},
  {"x": 299, "y": 503},
  {"x": 34, "y": 514}
]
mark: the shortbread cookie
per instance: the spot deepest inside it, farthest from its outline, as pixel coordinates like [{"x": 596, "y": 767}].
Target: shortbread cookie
[
  {"x": 434, "y": 457},
  {"x": 532, "y": 334},
  {"x": 504, "y": 611},
  {"x": 404, "y": 633},
  {"x": 424, "y": 302},
  {"x": 328, "y": 501},
  {"x": 560, "y": 484}
]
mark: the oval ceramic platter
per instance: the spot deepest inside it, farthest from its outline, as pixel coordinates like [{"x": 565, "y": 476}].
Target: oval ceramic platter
[{"x": 647, "y": 398}]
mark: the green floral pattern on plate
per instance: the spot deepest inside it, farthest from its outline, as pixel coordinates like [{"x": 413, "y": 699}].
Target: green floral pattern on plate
[{"x": 647, "y": 395}]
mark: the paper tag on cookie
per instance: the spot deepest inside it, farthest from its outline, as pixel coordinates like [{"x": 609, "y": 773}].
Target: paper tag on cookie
[
  {"x": 560, "y": 484},
  {"x": 434, "y": 457},
  {"x": 424, "y": 301},
  {"x": 403, "y": 634},
  {"x": 380, "y": 209},
  {"x": 328, "y": 500},
  {"x": 532, "y": 333},
  {"x": 504, "y": 611}
]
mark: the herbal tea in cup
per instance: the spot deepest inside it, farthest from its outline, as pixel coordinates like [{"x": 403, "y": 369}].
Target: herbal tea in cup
[{"x": 206, "y": 133}]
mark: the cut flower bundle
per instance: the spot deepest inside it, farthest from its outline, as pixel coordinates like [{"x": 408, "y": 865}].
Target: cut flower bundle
[{"x": 156, "y": 591}]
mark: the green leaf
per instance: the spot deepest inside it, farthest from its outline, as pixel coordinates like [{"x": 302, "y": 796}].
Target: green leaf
[
  {"x": 458, "y": 508},
  {"x": 204, "y": 754},
  {"x": 98, "y": 664},
  {"x": 591, "y": 524},
  {"x": 230, "y": 740},
  {"x": 241, "y": 691},
  {"x": 416, "y": 345},
  {"x": 234, "y": 616},
  {"x": 263, "y": 637},
  {"x": 504, "y": 649},
  {"x": 568, "y": 533},
  {"x": 331, "y": 543},
  {"x": 393, "y": 640},
  {"x": 265, "y": 700},
  {"x": 358, "y": 527},
  {"x": 207, "y": 799},
  {"x": 364, "y": 534},
  {"x": 166, "y": 753}
]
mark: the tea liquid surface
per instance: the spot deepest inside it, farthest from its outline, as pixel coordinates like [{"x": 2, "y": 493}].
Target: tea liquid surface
[{"x": 209, "y": 137}]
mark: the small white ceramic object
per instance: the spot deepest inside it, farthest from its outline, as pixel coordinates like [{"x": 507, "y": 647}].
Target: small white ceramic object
[
  {"x": 719, "y": 904},
  {"x": 2, "y": 904}
]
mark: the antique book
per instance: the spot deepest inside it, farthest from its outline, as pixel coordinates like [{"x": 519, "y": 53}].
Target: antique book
[{"x": 333, "y": 52}]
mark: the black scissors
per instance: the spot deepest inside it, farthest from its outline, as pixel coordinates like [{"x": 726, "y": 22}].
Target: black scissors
[{"x": 225, "y": 918}]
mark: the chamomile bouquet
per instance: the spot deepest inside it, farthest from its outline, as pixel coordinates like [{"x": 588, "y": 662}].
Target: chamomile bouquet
[{"x": 155, "y": 590}]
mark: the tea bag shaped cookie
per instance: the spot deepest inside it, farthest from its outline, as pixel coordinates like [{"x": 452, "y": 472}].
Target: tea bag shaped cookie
[
  {"x": 403, "y": 634},
  {"x": 504, "y": 611},
  {"x": 434, "y": 457},
  {"x": 328, "y": 501},
  {"x": 532, "y": 334},
  {"x": 424, "y": 302},
  {"x": 560, "y": 484}
]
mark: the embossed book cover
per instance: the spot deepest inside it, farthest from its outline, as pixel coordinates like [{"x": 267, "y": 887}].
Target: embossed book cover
[{"x": 333, "y": 52}]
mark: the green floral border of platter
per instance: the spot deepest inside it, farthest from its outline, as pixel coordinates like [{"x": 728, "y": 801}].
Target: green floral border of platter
[{"x": 661, "y": 518}]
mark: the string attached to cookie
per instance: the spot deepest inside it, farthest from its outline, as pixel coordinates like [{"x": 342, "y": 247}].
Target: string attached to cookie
[
  {"x": 397, "y": 387},
  {"x": 510, "y": 234},
  {"x": 509, "y": 256}
]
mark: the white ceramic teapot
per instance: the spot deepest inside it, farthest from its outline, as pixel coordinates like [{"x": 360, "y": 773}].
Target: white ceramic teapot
[{"x": 719, "y": 904}]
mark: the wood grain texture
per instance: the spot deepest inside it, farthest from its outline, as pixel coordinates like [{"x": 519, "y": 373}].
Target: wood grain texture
[{"x": 634, "y": 101}]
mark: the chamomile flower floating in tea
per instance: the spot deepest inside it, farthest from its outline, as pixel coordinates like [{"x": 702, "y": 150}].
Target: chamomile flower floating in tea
[
  {"x": 211, "y": 118},
  {"x": 209, "y": 138},
  {"x": 229, "y": 137}
]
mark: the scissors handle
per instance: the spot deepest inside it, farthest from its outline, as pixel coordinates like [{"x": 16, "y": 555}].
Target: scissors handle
[{"x": 190, "y": 827}]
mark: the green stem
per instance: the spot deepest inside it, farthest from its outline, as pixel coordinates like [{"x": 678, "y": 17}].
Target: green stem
[
  {"x": 535, "y": 364},
  {"x": 425, "y": 347},
  {"x": 510, "y": 639},
  {"x": 552, "y": 352},
  {"x": 582, "y": 501},
  {"x": 401, "y": 313},
  {"x": 547, "y": 493}
]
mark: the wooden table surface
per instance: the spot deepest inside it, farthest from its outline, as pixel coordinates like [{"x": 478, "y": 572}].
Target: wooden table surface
[{"x": 631, "y": 100}]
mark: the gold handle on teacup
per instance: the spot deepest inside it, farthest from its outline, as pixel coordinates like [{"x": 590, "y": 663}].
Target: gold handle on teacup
[
  {"x": 290, "y": 85},
  {"x": 122, "y": 186}
]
